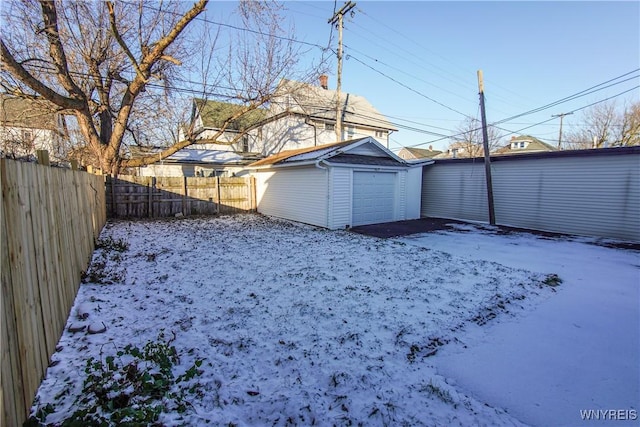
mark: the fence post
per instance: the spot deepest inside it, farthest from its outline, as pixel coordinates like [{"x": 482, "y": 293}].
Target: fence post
[
  {"x": 114, "y": 198},
  {"x": 184, "y": 196},
  {"x": 252, "y": 194},
  {"x": 218, "y": 194},
  {"x": 43, "y": 157},
  {"x": 151, "y": 183}
]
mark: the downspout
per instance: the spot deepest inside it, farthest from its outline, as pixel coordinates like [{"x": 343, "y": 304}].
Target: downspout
[
  {"x": 315, "y": 131},
  {"x": 389, "y": 137},
  {"x": 317, "y": 164}
]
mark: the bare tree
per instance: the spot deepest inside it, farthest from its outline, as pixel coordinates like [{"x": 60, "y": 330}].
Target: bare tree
[
  {"x": 630, "y": 126},
  {"x": 469, "y": 142},
  {"x": 604, "y": 125},
  {"x": 94, "y": 59},
  {"x": 114, "y": 65}
]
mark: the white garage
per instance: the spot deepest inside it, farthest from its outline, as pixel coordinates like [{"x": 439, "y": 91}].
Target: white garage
[{"x": 339, "y": 185}]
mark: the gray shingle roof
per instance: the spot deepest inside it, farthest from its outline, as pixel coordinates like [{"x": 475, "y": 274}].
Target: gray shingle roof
[
  {"x": 215, "y": 113},
  {"x": 27, "y": 113},
  {"x": 357, "y": 159}
]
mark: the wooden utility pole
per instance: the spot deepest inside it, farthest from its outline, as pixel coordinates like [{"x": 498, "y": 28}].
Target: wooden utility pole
[
  {"x": 338, "y": 18},
  {"x": 487, "y": 156},
  {"x": 561, "y": 115}
]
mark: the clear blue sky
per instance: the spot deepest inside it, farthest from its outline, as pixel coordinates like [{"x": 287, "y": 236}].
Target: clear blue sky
[{"x": 421, "y": 58}]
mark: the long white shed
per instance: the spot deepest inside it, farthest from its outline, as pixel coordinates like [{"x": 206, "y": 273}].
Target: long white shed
[{"x": 339, "y": 185}]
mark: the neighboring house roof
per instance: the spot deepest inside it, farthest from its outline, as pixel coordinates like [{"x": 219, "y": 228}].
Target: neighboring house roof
[
  {"x": 194, "y": 154},
  {"x": 209, "y": 156},
  {"x": 319, "y": 103},
  {"x": 335, "y": 153},
  {"x": 27, "y": 113},
  {"x": 531, "y": 145},
  {"x": 409, "y": 153},
  {"x": 461, "y": 149},
  {"x": 215, "y": 113}
]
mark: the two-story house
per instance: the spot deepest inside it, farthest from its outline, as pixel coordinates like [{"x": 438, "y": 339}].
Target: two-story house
[
  {"x": 299, "y": 115},
  {"x": 304, "y": 115}
]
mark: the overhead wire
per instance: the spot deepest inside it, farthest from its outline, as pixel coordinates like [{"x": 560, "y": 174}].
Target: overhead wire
[
  {"x": 577, "y": 95},
  {"x": 447, "y": 71},
  {"x": 406, "y": 86},
  {"x": 404, "y": 72},
  {"x": 539, "y": 123}
]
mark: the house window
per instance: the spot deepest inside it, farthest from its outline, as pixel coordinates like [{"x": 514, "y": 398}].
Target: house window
[
  {"x": 522, "y": 144},
  {"x": 380, "y": 134},
  {"x": 245, "y": 144},
  {"x": 329, "y": 126},
  {"x": 351, "y": 130},
  {"x": 27, "y": 136}
]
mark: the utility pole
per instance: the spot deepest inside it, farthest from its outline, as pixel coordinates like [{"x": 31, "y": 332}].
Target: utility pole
[
  {"x": 561, "y": 115},
  {"x": 487, "y": 156},
  {"x": 338, "y": 18}
]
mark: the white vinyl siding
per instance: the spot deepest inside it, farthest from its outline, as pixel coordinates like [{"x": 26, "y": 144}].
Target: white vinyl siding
[
  {"x": 368, "y": 150},
  {"x": 592, "y": 195},
  {"x": 299, "y": 194},
  {"x": 413, "y": 189},
  {"x": 401, "y": 186},
  {"x": 456, "y": 191},
  {"x": 340, "y": 198}
]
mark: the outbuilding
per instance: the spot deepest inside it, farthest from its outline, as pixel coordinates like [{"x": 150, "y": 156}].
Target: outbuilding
[{"x": 339, "y": 185}]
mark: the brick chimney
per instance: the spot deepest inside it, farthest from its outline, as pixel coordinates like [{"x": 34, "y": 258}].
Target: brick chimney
[{"x": 324, "y": 81}]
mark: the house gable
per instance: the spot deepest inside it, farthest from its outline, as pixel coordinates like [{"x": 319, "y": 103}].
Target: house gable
[{"x": 525, "y": 144}]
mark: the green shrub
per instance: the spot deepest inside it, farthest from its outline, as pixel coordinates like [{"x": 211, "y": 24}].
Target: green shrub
[{"x": 131, "y": 388}]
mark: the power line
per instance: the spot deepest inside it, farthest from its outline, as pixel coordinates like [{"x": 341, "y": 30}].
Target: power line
[
  {"x": 407, "y": 87},
  {"x": 399, "y": 125},
  {"x": 235, "y": 27},
  {"x": 535, "y": 124},
  {"x": 404, "y": 72},
  {"x": 447, "y": 71},
  {"x": 577, "y": 95}
]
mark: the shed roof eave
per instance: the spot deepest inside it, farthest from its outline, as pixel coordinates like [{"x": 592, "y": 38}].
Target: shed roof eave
[
  {"x": 282, "y": 165},
  {"x": 363, "y": 166}
]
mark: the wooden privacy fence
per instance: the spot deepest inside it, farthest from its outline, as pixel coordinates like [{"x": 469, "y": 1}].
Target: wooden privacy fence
[
  {"x": 148, "y": 197},
  {"x": 50, "y": 218}
]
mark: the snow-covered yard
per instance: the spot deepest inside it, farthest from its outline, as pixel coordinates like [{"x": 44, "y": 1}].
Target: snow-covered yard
[
  {"x": 302, "y": 326},
  {"x": 578, "y": 351}
]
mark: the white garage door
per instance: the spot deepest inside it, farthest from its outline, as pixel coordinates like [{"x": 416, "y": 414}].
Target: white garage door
[{"x": 373, "y": 197}]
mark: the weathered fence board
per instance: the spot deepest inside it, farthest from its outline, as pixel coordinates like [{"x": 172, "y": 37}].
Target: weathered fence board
[
  {"x": 50, "y": 218},
  {"x": 152, "y": 197}
]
